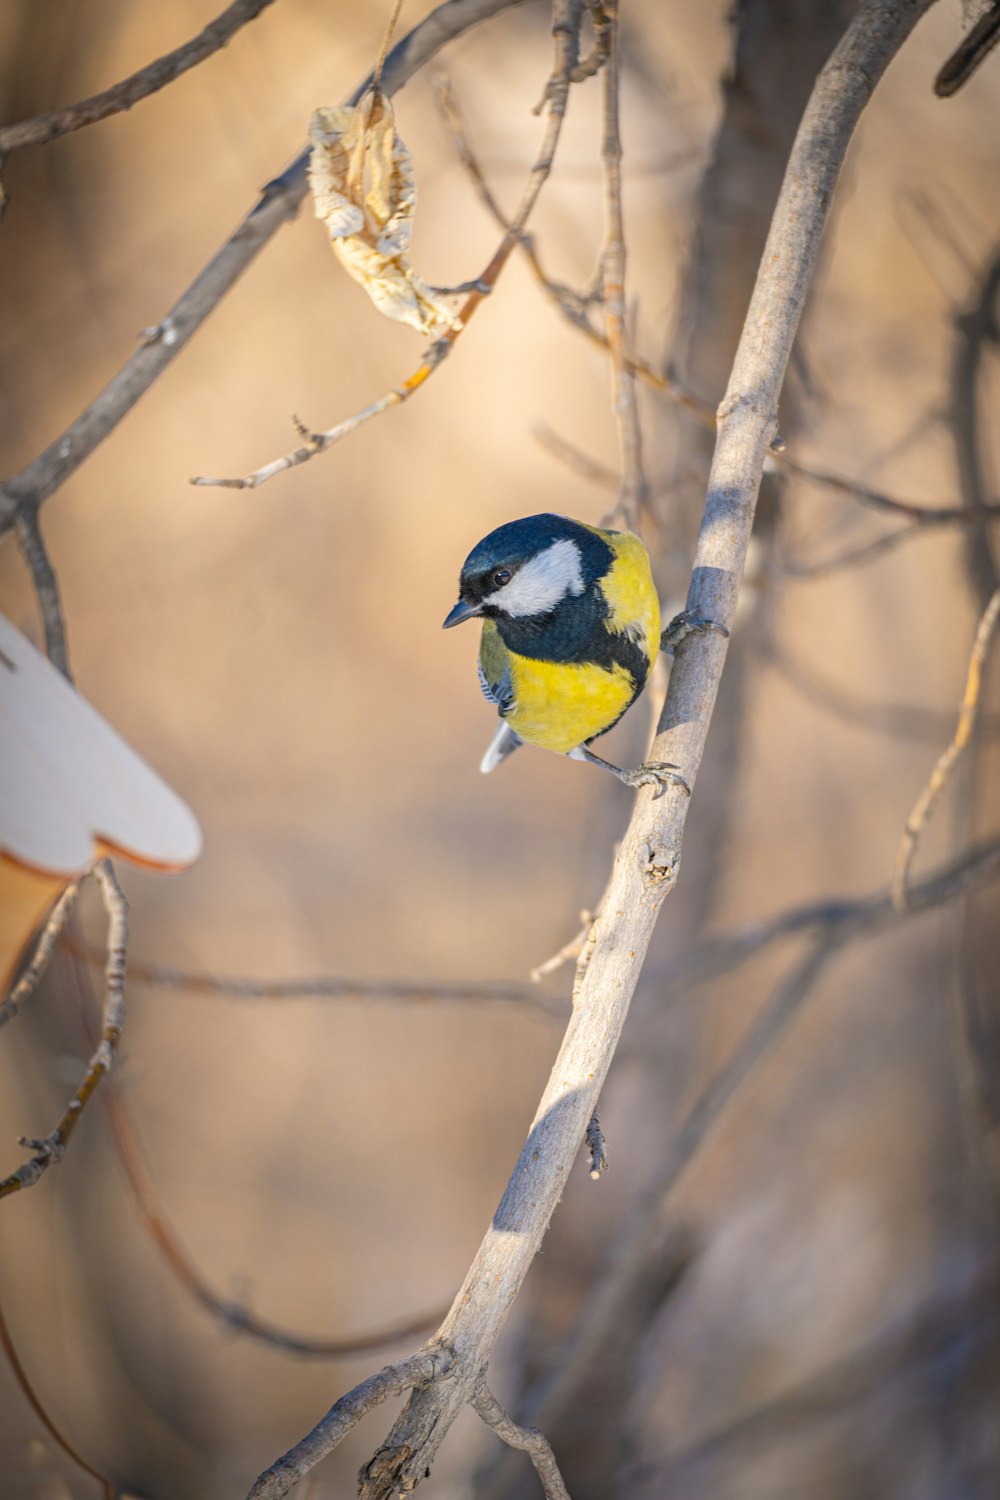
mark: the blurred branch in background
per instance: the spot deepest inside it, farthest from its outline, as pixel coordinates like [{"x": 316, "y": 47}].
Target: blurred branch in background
[
  {"x": 339, "y": 987},
  {"x": 57, "y": 122},
  {"x": 108, "y": 1488},
  {"x": 633, "y": 493},
  {"x": 235, "y": 1315},
  {"x": 945, "y": 765}
]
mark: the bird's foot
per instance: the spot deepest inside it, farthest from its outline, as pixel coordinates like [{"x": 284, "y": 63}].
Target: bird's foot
[
  {"x": 657, "y": 773},
  {"x": 688, "y": 622}
]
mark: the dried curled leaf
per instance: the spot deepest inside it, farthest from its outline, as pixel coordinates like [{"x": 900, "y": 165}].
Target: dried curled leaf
[{"x": 365, "y": 191}]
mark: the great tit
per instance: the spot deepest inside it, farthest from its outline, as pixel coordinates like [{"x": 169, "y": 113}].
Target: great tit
[{"x": 571, "y": 628}]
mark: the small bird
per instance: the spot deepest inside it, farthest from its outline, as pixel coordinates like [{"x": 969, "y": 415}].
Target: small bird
[{"x": 571, "y": 628}]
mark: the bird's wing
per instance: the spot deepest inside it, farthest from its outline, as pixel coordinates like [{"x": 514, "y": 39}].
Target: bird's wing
[
  {"x": 494, "y": 669},
  {"x": 503, "y": 743}
]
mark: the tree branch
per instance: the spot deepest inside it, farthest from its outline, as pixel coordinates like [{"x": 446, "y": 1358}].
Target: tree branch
[
  {"x": 945, "y": 765},
  {"x": 52, "y": 1147},
  {"x": 47, "y": 939},
  {"x": 633, "y": 494},
  {"x": 419, "y": 1369},
  {"x": 647, "y": 864},
  {"x": 278, "y": 202},
  {"x": 43, "y": 576},
  {"x": 149, "y": 80},
  {"x": 528, "y": 1439}
]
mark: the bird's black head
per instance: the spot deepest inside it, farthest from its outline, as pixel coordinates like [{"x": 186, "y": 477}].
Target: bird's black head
[{"x": 526, "y": 569}]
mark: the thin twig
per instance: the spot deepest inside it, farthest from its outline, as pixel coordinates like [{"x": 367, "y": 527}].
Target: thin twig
[
  {"x": 148, "y": 80},
  {"x": 43, "y": 576},
  {"x": 556, "y": 95},
  {"x": 335, "y": 987},
  {"x": 793, "y": 571},
  {"x": 913, "y": 510},
  {"x": 941, "y": 774},
  {"x": 395, "y": 1380},
  {"x": 568, "y": 953},
  {"x": 970, "y": 52},
  {"x": 597, "y": 1151},
  {"x": 52, "y": 1147},
  {"x": 108, "y": 1487},
  {"x": 528, "y": 1439},
  {"x": 576, "y": 460},
  {"x": 633, "y": 495},
  {"x": 902, "y": 720},
  {"x": 952, "y": 1319},
  {"x": 48, "y": 937},
  {"x": 278, "y": 202}
]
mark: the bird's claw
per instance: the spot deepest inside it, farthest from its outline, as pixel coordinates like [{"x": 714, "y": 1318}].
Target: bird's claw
[
  {"x": 656, "y": 773},
  {"x": 688, "y": 622}
]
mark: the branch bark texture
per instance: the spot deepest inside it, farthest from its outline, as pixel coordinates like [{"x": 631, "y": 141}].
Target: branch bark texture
[{"x": 648, "y": 861}]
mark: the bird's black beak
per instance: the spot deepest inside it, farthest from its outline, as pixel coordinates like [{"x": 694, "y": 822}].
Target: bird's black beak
[{"x": 462, "y": 611}]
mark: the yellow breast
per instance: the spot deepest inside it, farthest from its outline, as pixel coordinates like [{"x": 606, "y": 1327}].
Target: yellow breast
[{"x": 559, "y": 705}]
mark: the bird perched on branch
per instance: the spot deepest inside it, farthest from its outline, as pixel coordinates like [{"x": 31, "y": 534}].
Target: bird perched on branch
[{"x": 571, "y": 628}]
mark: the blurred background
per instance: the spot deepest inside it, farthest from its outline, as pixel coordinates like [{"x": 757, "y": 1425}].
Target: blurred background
[{"x": 808, "y": 1304}]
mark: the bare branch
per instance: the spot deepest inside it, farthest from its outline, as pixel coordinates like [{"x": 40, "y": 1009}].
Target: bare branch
[
  {"x": 43, "y": 576},
  {"x": 235, "y": 1315},
  {"x": 335, "y": 987},
  {"x": 576, "y": 460},
  {"x": 941, "y": 774},
  {"x": 49, "y": 936},
  {"x": 20, "y": 1374},
  {"x": 278, "y": 202},
  {"x": 419, "y": 1369},
  {"x": 528, "y": 1439},
  {"x": 924, "y": 515},
  {"x": 565, "y": 27},
  {"x": 52, "y": 1147},
  {"x": 905, "y": 720},
  {"x": 850, "y": 557},
  {"x": 633, "y": 495},
  {"x": 149, "y": 80},
  {"x": 970, "y": 52}
]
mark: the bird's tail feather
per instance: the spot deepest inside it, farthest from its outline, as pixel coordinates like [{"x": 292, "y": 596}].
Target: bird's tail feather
[{"x": 503, "y": 743}]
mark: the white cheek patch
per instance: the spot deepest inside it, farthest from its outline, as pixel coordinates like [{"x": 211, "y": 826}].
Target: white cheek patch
[{"x": 539, "y": 586}]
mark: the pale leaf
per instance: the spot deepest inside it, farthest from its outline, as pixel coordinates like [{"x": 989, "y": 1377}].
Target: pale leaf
[{"x": 365, "y": 191}]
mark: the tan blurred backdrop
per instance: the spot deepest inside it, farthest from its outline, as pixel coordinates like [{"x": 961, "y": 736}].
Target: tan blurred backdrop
[{"x": 277, "y": 656}]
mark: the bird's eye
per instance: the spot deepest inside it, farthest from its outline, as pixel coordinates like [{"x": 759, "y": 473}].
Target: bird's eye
[{"x": 501, "y": 576}]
